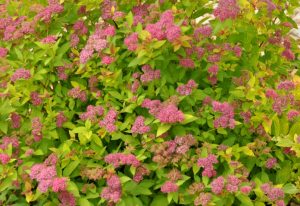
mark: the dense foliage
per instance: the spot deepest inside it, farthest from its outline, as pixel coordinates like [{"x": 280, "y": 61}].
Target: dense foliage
[{"x": 134, "y": 103}]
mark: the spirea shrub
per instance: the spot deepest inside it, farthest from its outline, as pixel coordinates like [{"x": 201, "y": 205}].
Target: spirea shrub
[{"x": 136, "y": 103}]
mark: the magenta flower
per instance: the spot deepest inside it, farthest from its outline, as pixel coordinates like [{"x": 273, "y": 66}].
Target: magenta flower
[
  {"x": 3, "y": 52},
  {"x": 217, "y": 185},
  {"x": 187, "y": 63},
  {"x": 139, "y": 126},
  {"x": 168, "y": 187},
  {"x": 20, "y": 74},
  {"x": 4, "y": 158},
  {"x": 131, "y": 41},
  {"x": 51, "y": 39},
  {"x": 271, "y": 162},
  {"x": 109, "y": 121},
  {"x": 227, "y": 9},
  {"x": 60, "y": 119},
  {"x": 118, "y": 159}
]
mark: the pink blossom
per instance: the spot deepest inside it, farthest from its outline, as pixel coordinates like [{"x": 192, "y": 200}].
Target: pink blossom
[
  {"x": 6, "y": 141},
  {"x": 4, "y": 158},
  {"x": 156, "y": 31},
  {"x": 20, "y": 74},
  {"x": 109, "y": 121},
  {"x": 286, "y": 85},
  {"x": 292, "y": 114},
  {"x": 91, "y": 113},
  {"x": 131, "y": 41},
  {"x": 232, "y": 184},
  {"x": 77, "y": 93},
  {"x": 217, "y": 185},
  {"x": 212, "y": 79},
  {"x": 288, "y": 54},
  {"x": 270, "y": 93},
  {"x": 44, "y": 185},
  {"x": 205, "y": 31},
  {"x": 213, "y": 69},
  {"x": 59, "y": 184},
  {"x": 80, "y": 27},
  {"x": 49, "y": 11},
  {"x": 203, "y": 199},
  {"x": 36, "y": 129},
  {"x": 214, "y": 58},
  {"x": 246, "y": 116},
  {"x": 3, "y": 52},
  {"x": 149, "y": 74},
  {"x": 118, "y": 159},
  {"x": 60, "y": 119},
  {"x": 227, "y": 9},
  {"x": 139, "y": 126},
  {"x": 51, "y": 39},
  {"x": 107, "y": 60},
  {"x": 237, "y": 51},
  {"x": 168, "y": 187},
  {"x": 66, "y": 199},
  {"x": 207, "y": 164},
  {"x": 113, "y": 192},
  {"x": 135, "y": 86},
  {"x": 173, "y": 32},
  {"x": 35, "y": 99},
  {"x": 15, "y": 120},
  {"x": 270, "y": 5},
  {"x": 227, "y": 117},
  {"x": 74, "y": 40},
  {"x": 246, "y": 189},
  {"x": 271, "y": 162},
  {"x": 187, "y": 63},
  {"x": 280, "y": 203},
  {"x": 85, "y": 54},
  {"x": 110, "y": 31},
  {"x": 186, "y": 89}
]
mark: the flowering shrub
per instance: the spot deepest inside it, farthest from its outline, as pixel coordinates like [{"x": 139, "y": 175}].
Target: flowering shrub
[{"x": 149, "y": 103}]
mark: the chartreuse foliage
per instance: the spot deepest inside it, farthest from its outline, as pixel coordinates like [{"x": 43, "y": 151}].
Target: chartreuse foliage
[{"x": 135, "y": 103}]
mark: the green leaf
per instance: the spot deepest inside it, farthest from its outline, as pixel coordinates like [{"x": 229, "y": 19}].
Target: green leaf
[
  {"x": 189, "y": 118},
  {"x": 84, "y": 202},
  {"x": 159, "y": 200},
  {"x": 290, "y": 189},
  {"x": 162, "y": 129},
  {"x": 245, "y": 200},
  {"x": 129, "y": 19},
  {"x": 158, "y": 44},
  {"x": 71, "y": 167}
]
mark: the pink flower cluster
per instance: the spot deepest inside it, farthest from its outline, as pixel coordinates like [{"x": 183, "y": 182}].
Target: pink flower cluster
[
  {"x": 186, "y": 89},
  {"x": 91, "y": 113},
  {"x": 51, "y": 39},
  {"x": 165, "y": 112},
  {"x": 35, "y": 99},
  {"x": 61, "y": 73},
  {"x": 227, "y": 117},
  {"x": 6, "y": 141},
  {"x": 187, "y": 63},
  {"x": 15, "y": 120},
  {"x": 213, "y": 70},
  {"x": 113, "y": 191},
  {"x": 45, "y": 174},
  {"x": 107, "y": 60},
  {"x": 168, "y": 187},
  {"x": 109, "y": 121},
  {"x": 37, "y": 127},
  {"x": 204, "y": 31},
  {"x": 77, "y": 93},
  {"x": 203, "y": 199},
  {"x": 106, "y": 10},
  {"x": 292, "y": 114},
  {"x": 286, "y": 85},
  {"x": 165, "y": 28},
  {"x": 4, "y": 158},
  {"x": 139, "y": 126},
  {"x": 281, "y": 102},
  {"x": 246, "y": 116},
  {"x": 271, "y": 162},
  {"x": 118, "y": 159},
  {"x": 217, "y": 185},
  {"x": 246, "y": 189},
  {"x": 227, "y": 9},
  {"x": 207, "y": 163},
  {"x": 131, "y": 41},
  {"x": 66, "y": 199},
  {"x": 139, "y": 12},
  {"x": 141, "y": 171},
  {"x": 20, "y": 74},
  {"x": 272, "y": 193},
  {"x": 232, "y": 183},
  {"x": 80, "y": 28},
  {"x": 149, "y": 74},
  {"x": 60, "y": 119},
  {"x": 3, "y": 52},
  {"x": 96, "y": 42},
  {"x": 46, "y": 13}
]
